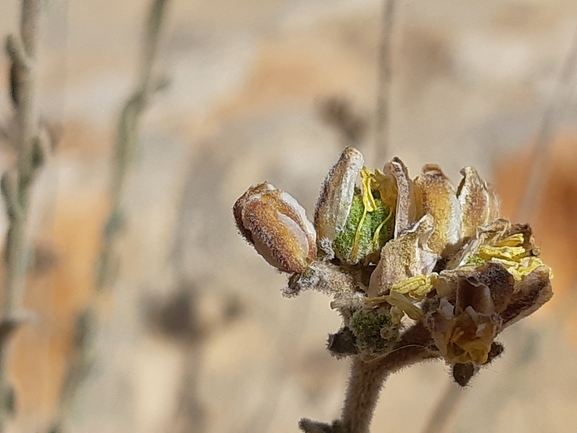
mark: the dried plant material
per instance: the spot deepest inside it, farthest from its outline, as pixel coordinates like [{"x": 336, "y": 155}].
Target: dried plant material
[
  {"x": 277, "y": 226},
  {"x": 435, "y": 196},
  {"x": 478, "y": 200},
  {"x": 405, "y": 203},
  {"x": 417, "y": 269},
  {"x": 404, "y": 257}
]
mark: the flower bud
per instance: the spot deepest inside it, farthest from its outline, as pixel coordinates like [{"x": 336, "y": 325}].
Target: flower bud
[
  {"x": 404, "y": 257},
  {"x": 277, "y": 226},
  {"x": 478, "y": 200},
  {"x": 336, "y": 198},
  {"x": 435, "y": 195},
  {"x": 397, "y": 192}
]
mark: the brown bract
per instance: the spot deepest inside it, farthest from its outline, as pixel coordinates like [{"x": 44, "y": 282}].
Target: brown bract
[
  {"x": 435, "y": 196},
  {"x": 478, "y": 201}
]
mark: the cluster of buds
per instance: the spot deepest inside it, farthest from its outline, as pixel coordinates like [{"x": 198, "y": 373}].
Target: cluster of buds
[{"x": 394, "y": 252}]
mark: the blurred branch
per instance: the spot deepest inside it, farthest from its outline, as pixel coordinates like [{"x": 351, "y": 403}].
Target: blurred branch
[
  {"x": 535, "y": 186},
  {"x": 339, "y": 113},
  {"x": 123, "y": 155},
  {"x": 127, "y": 134},
  {"x": 445, "y": 408},
  {"x": 31, "y": 143},
  {"x": 382, "y": 145}
]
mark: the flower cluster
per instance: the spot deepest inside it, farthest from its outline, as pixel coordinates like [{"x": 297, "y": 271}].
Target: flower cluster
[{"x": 395, "y": 252}]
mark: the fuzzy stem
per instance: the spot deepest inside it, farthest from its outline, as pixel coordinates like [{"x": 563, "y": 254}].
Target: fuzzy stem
[
  {"x": 365, "y": 383},
  {"x": 367, "y": 379}
]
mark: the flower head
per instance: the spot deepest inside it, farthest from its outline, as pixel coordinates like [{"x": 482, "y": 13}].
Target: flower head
[{"x": 393, "y": 250}]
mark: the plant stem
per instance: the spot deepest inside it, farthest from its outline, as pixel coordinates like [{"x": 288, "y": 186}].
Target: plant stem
[
  {"x": 127, "y": 135},
  {"x": 365, "y": 384},
  {"x": 23, "y": 53},
  {"x": 532, "y": 197},
  {"x": 367, "y": 379},
  {"x": 445, "y": 409},
  {"x": 17, "y": 181}
]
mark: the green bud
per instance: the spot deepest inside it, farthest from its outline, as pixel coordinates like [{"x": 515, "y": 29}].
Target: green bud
[{"x": 374, "y": 330}]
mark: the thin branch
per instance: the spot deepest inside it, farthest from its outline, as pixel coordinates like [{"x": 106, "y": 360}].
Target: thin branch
[
  {"x": 16, "y": 182},
  {"x": 535, "y": 188},
  {"x": 127, "y": 135},
  {"x": 382, "y": 145},
  {"x": 23, "y": 55},
  {"x": 445, "y": 408}
]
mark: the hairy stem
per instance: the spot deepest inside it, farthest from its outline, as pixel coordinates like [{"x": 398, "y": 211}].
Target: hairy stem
[
  {"x": 365, "y": 383},
  {"x": 367, "y": 379}
]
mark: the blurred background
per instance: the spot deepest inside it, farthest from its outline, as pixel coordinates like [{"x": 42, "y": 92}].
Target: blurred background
[{"x": 194, "y": 335}]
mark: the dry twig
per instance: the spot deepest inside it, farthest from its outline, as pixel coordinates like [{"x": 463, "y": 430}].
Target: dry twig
[{"x": 31, "y": 143}]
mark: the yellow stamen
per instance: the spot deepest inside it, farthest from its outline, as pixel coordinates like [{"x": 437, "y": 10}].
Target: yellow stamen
[
  {"x": 506, "y": 252},
  {"x": 515, "y": 240},
  {"x": 378, "y": 230},
  {"x": 416, "y": 287},
  {"x": 401, "y": 304},
  {"x": 367, "y": 180}
]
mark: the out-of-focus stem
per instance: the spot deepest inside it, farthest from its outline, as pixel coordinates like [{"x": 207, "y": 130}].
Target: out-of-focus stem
[
  {"x": 23, "y": 53},
  {"x": 17, "y": 181},
  {"x": 445, "y": 409},
  {"x": 126, "y": 138},
  {"x": 535, "y": 187}
]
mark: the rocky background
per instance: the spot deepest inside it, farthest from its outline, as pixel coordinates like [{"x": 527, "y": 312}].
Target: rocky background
[{"x": 196, "y": 336}]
